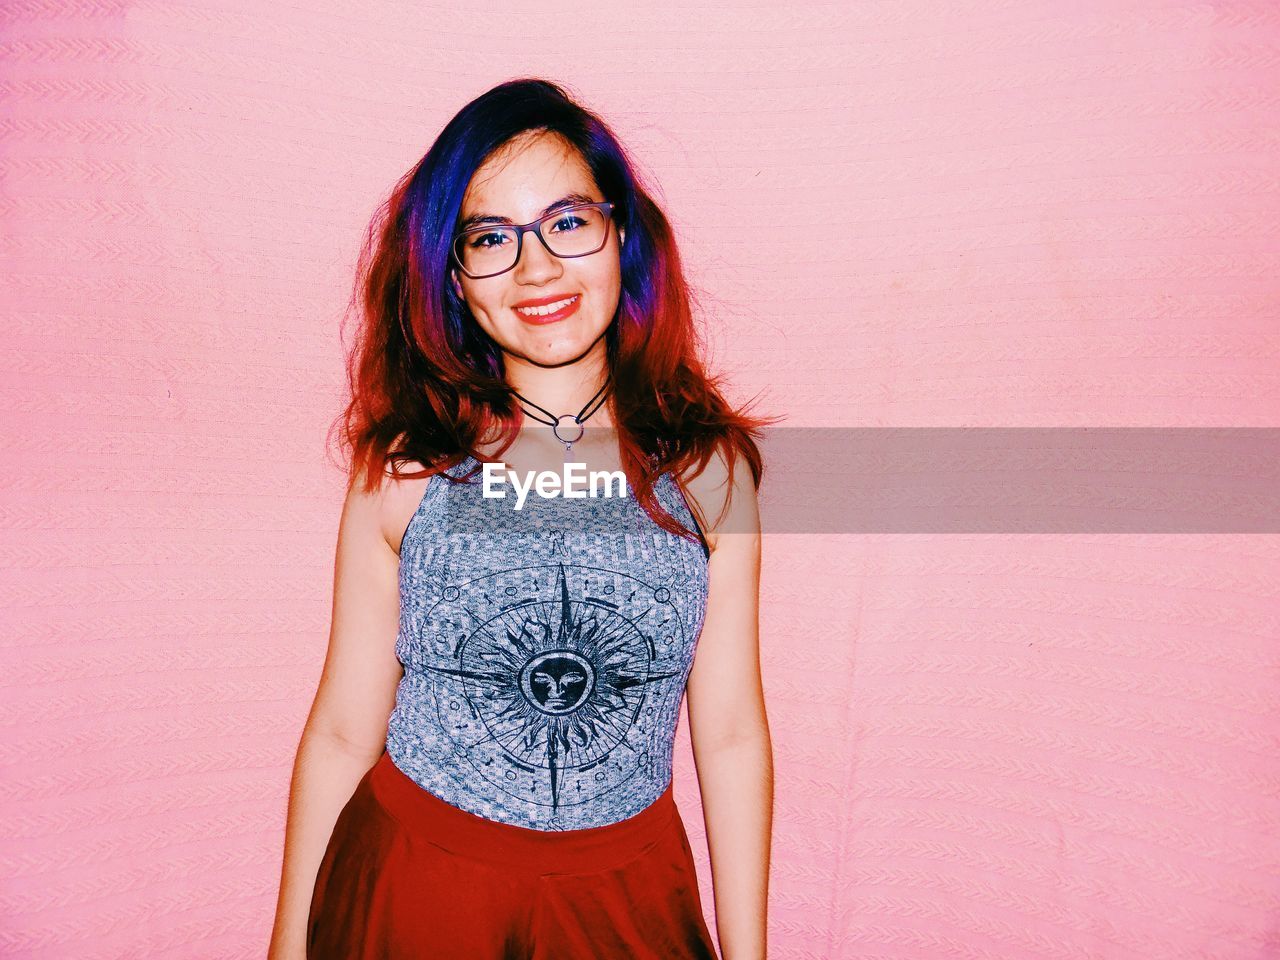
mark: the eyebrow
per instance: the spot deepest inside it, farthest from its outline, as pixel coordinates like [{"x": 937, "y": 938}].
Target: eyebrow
[{"x": 569, "y": 200}]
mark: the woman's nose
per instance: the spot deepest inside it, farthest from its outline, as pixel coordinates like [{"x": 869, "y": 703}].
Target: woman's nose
[{"x": 536, "y": 263}]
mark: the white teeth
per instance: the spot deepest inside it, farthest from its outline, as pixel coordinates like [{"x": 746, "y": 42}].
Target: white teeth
[{"x": 547, "y": 310}]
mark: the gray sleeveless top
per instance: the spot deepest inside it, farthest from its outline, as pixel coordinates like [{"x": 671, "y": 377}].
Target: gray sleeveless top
[{"x": 545, "y": 651}]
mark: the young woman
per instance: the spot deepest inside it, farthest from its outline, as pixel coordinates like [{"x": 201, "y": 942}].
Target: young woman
[{"x": 486, "y": 769}]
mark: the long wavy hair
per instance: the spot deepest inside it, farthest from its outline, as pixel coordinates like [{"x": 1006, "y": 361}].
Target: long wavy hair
[{"x": 427, "y": 382}]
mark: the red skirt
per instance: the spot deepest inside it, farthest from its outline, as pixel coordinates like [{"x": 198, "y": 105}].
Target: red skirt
[{"x": 407, "y": 875}]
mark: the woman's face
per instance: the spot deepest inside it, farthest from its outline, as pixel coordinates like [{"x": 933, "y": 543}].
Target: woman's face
[{"x": 519, "y": 182}]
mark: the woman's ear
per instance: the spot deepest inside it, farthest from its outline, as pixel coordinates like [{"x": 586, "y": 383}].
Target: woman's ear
[
  {"x": 457, "y": 285},
  {"x": 622, "y": 235}
]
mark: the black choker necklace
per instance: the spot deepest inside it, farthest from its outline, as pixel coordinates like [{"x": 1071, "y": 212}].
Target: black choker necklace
[{"x": 579, "y": 418}]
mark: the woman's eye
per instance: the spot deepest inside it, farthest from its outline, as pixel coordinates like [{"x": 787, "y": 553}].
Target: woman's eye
[
  {"x": 487, "y": 241},
  {"x": 570, "y": 222}
]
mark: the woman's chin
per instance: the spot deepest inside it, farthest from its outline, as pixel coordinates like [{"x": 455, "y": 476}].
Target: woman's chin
[{"x": 557, "y": 351}]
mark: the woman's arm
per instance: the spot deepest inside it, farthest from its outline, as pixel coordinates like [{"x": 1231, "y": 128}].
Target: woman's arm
[
  {"x": 325, "y": 774},
  {"x": 347, "y": 729},
  {"x": 727, "y": 721}
]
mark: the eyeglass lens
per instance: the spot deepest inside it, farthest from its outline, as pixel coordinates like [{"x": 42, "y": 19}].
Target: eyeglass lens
[{"x": 573, "y": 232}]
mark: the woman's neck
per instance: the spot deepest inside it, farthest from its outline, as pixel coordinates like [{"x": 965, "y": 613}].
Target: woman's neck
[{"x": 563, "y": 391}]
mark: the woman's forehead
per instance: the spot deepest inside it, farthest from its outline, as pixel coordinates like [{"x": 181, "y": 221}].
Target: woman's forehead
[{"x": 522, "y": 177}]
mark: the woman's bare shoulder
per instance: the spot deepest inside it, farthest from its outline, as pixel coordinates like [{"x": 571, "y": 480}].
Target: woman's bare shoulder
[
  {"x": 394, "y": 500},
  {"x": 400, "y": 505},
  {"x": 722, "y": 505}
]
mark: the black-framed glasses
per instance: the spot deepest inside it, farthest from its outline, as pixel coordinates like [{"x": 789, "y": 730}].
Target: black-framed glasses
[{"x": 494, "y": 248}]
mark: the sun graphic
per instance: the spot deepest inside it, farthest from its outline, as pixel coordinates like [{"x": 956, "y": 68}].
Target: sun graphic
[{"x": 554, "y": 684}]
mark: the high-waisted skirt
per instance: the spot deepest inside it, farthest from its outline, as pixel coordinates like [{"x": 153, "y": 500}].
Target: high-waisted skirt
[{"x": 407, "y": 876}]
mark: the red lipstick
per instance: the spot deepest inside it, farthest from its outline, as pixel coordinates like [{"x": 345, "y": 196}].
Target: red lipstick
[{"x": 567, "y": 310}]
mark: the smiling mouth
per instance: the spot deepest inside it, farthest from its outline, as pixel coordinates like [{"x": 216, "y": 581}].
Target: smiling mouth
[{"x": 548, "y": 310}]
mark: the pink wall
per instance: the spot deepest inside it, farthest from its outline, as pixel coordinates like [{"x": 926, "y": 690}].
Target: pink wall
[{"x": 915, "y": 213}]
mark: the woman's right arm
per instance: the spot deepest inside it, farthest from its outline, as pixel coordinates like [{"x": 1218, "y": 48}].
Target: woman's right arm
[{"x": 346, "y": 730}]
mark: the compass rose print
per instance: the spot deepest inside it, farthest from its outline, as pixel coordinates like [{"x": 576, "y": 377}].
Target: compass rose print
[{"x": 550, "y": 694}]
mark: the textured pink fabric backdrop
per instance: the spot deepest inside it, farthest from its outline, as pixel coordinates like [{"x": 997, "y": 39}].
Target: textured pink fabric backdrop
[{"x": 1029, "y": 213}]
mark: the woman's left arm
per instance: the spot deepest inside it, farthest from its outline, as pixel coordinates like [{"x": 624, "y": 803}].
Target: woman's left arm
[{"x": 727, "y": 723}]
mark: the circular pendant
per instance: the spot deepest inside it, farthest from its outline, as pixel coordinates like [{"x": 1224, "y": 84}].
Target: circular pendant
[{"x": 556, "y": 428}]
